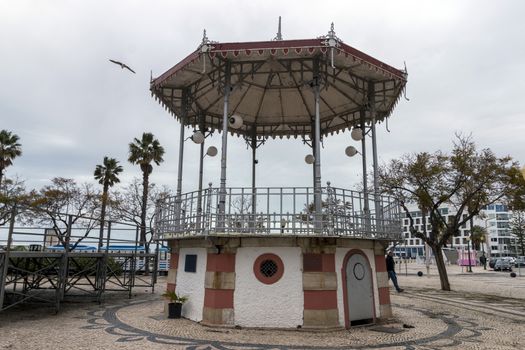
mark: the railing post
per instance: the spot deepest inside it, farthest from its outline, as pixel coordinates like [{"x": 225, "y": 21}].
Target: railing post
[{"x": 208, "y": 209}]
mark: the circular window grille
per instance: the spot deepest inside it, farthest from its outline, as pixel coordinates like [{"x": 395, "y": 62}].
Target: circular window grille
[{"x": 268, "y": 268}]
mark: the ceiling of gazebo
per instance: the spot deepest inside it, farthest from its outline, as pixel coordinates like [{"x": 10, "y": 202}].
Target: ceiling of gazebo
[{"x": 271, "y": 86}]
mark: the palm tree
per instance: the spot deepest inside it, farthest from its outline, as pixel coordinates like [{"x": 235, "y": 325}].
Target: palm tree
[
  {"x": 143, "y": 152},
  {"x": 477, "y": 236},
  {"x": 9, "y": 150},
  {"x": 107, "y": 176}
]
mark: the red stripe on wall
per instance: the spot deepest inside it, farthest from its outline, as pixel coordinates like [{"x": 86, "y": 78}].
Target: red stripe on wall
[
  {"x": 380, "y": 263},
  {"x": 313, "y": 262},
  {"x": 218, "y": 298},
  {"x": 174, "y": 260},
  {"x": 171, "y": 287},
  {"x": 328, "y": 262},
  {"x": 320, "y": 299},
  {"x": 221, "y": 262},
  {"x": 384, "y": 295}
]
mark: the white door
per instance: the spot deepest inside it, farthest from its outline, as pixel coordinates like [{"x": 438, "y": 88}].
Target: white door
[{"x": 360, "y": 296}]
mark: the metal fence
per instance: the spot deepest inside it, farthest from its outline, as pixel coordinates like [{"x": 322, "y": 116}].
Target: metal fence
[
  {"x": 71, "y": 256},
  {"x": 285, "y": 211}
]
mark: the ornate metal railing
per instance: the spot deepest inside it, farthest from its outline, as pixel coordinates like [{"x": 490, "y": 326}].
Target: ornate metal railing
[{"x": 283, "y": 211}]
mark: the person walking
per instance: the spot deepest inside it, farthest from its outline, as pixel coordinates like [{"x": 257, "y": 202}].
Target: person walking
[
  {"x": 390, "y": 264},
  {"x": 483, "y": 261}
]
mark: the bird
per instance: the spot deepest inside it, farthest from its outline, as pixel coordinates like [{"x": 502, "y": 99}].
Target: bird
[{"x": 122, "y": 65}]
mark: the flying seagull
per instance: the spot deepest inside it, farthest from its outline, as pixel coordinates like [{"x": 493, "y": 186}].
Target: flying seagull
[{"x": 122, "y": 65}]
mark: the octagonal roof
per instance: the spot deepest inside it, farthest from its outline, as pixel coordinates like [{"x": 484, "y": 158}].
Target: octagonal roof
[{"x": 271, "y": 86}]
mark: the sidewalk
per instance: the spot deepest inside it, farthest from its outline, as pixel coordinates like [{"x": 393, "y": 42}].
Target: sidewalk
[{"x": 479, "y": 281}]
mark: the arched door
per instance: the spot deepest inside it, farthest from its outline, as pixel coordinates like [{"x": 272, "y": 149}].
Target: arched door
[{"x": 359, "y": 290}]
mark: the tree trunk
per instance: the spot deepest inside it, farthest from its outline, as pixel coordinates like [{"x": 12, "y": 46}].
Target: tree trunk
[
  {"x": 103, "y": 214},
  {"x": 1, "y": 175},
  {"x": 440, "y": 263},
  {"x": 145, "y": 186},
  {"x": 143, "y": 240}
]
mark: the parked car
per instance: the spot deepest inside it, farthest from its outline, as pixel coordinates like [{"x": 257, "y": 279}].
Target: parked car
[
  {"x": 503, "y": 264},
  {"x": 492, "y": 262},
  {"x": 520, "y": 261}
]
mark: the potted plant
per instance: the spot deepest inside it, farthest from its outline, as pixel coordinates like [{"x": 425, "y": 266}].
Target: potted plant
[{"x": 175, "y": 303}]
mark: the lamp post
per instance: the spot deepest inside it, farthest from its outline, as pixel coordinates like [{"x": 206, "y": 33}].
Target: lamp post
[
  {"x": 469, "y": 238},
  {"x": 198, "y": 138}
]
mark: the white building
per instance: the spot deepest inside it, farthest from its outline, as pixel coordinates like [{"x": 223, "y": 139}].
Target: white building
[{"x": 495, "y": 218}]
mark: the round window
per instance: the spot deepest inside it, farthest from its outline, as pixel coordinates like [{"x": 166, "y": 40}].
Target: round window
[{"x": 268, "y": 268}]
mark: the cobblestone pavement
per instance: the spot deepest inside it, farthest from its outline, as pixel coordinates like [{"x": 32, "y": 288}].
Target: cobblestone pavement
[{"x": 462, "y": 319}]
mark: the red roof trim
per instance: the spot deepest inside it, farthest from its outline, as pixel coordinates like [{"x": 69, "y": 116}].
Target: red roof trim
[
  {"x": 272, "y": 45},
  {"x": 159, "y": 80}
]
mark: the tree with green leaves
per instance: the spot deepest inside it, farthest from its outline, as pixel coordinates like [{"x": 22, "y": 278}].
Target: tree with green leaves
[
  {"x": 478, "y": 235},
  {"x": 467, "y": 180},
  {"x": 143, "y": 152},
  {"x": 9, "y": 150},
  {"x": 107, "y": 175}
]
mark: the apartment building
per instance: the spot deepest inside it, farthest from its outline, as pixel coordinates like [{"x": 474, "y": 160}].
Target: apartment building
[{"x": 495, "y": 218}]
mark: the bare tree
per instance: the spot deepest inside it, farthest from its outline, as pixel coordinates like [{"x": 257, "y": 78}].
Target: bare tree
[
  {"x": 126, "y": 205},
  {"x": 67, "y": 206},
  {"x": 12, "y": 193}
]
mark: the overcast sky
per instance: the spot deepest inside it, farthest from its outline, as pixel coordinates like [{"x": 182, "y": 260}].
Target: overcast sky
[{"x": 71, "y": 106}]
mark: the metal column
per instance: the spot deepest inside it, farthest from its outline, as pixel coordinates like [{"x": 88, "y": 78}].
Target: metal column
[
  {"x": 254, "y": 162},
  {"x": 201, "y": 173},
  {"x": 222, "y": 190},
  {"x": 317, "y": 150},
  {"x": 377, "y": 201},
  {"x": 366, "y": 207},
  {"x": 178, "y": 199}
]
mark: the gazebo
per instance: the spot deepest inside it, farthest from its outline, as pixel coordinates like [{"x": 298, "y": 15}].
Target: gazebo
[{"x": 291, "y": 256}]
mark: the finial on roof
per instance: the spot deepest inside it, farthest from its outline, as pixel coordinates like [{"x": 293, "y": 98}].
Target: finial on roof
[
  {"x": 205, "y": 39},
  {"x": 331, "y": 33},
  {"x": 279, "y": 34},
  {"x": 206, "y": 44}
]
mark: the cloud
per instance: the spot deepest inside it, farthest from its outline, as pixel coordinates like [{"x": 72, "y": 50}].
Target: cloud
[{"x": 71, "y": 107}]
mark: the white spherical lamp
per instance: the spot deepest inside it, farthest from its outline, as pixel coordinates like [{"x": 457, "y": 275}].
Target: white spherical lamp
[
  {"x": 197, "y": 137},
  {"x": 309, "y": 159},
  {"x": 235, "y": 121},
  {"x": 350, "y": 151},
  {"x": 357, "y": 134},
  {"x": 212, "y": 151}
]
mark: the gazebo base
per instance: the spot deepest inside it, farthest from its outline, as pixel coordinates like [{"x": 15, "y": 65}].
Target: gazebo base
[{"x": 281, "y": 282}]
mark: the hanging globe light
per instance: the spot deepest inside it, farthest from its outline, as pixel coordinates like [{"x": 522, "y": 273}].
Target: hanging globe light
[
  {"x": 212, "y": 151},
  {"x": 197, "y": 137},
  {"x": 235, "y": 121},
  {"x": 309, "y": 159},
  {"x": 357, "y": 134},
  {"x": 351, "y": 151}
]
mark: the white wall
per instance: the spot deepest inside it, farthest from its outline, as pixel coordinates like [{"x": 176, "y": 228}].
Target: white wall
[
  {"x": 340, "y": 254},
  {"x": 192, "y": 283},
  {"x": 275, "y": 305}
]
